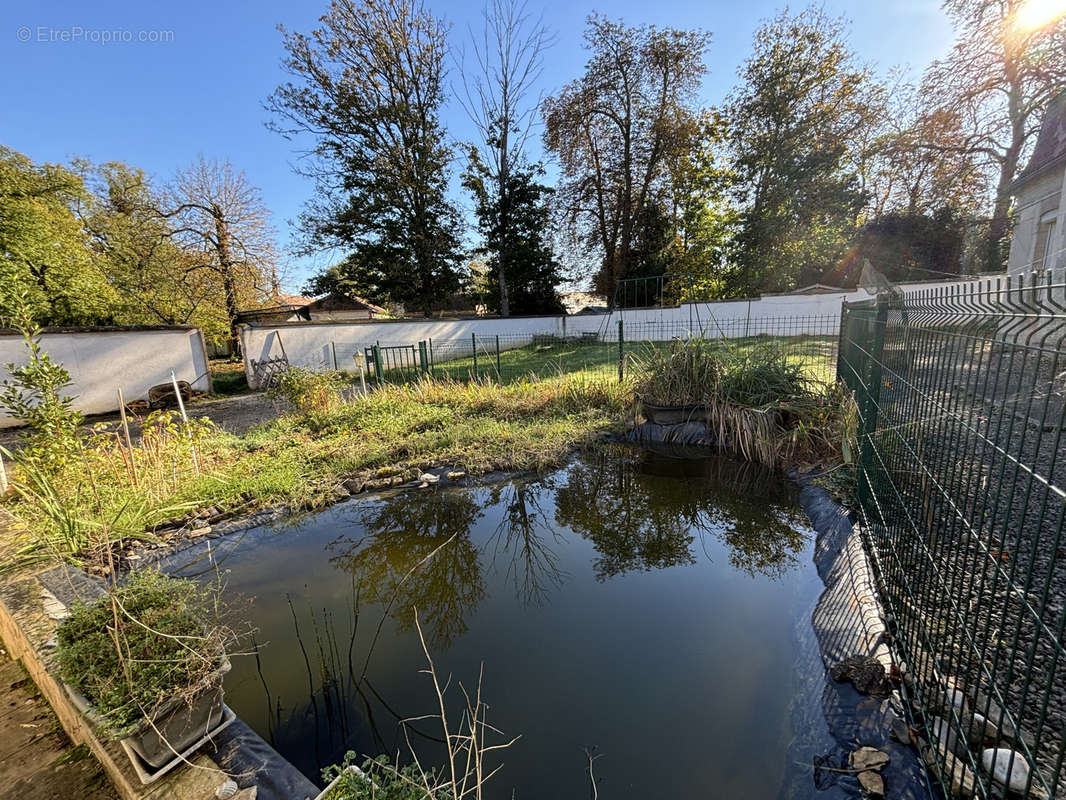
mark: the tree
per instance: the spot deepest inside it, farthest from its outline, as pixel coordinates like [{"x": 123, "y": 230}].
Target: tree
[
  {"x": 156, "y": 282},
  {"x": 44, "y": 251},
  {"x": 514, "y": 222},
  {"x": 366, "y": 88},
  {"x": 996, "y": 82},
  {"x": 614, "y": 131},
  {"x": 218, "y": 219},
  {"x": 796, "y": 125},
  {"x": 509, "y": 59}
]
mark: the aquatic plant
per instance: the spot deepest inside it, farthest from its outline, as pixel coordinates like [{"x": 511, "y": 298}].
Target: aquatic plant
[{"x": 757, "y": 401}]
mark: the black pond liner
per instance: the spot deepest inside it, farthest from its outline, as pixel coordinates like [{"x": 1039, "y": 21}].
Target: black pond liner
[{"x": 844, "y": 719}]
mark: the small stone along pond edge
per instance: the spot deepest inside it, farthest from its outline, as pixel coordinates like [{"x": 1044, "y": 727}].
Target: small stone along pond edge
[{"x": 869, "y": 717}]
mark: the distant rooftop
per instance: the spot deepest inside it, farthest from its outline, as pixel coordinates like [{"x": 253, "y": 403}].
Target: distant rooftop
[{"x": 1050, "y": 142}]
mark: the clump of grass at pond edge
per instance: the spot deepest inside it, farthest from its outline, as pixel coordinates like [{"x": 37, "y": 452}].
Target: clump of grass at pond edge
[
  {"x": 758, "y": 402},
  {"x": 110, "y": 493}
]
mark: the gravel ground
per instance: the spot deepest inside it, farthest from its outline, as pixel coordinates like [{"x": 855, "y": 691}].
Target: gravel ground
[
  {"x": 971, "y": 545},
  {"x": 234, "y": 414}
]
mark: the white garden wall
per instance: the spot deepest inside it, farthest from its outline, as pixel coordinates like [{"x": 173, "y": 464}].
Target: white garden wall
[
  {"x": 323, "y": 345},
  {"x": 102, "y": 360}
]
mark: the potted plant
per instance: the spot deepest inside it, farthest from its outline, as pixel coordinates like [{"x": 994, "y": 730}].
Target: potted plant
[
  {"x": 145, "y": 663},
  {"x": 378, "y": 779}
]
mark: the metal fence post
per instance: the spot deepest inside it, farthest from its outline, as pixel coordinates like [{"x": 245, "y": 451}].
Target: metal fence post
[
  {"x": 621, "y": 352},
  {"x": 473, "y": 344},
  {"x": 499, "y": 376},
  {"x": 379, "y": 367},
  {"x": 333, "y": 348},
  {"x": 423, "y": 357},
  {"x": 871, "y": 401}
]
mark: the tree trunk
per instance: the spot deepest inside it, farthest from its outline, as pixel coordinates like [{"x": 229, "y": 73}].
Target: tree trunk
[
  {"x": 998, "y": 225},
  {"x": 505, "y": 298},
  {"x": 229, "y": 284}
]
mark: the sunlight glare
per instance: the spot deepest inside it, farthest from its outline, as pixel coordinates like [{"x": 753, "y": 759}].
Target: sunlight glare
[{"x": 1035, "y": 14}]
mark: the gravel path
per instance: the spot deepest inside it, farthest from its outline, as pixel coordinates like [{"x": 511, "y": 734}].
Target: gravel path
[{"x": 234, "y": 414}]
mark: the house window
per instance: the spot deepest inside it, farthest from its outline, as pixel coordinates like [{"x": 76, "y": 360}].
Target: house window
[{"x": 1045, "y": 236}]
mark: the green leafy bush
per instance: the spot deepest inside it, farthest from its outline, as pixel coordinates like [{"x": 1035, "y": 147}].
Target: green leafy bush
[
  {"x": 309, "y": 391},
  {"x": 377, "y": 780},
  {"x": 143, "y": 645},
  {"x": 34, "y": 396}
]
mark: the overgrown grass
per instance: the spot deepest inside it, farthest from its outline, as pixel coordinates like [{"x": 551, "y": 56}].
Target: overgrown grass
[
  {"x": 228, "y": 378},
  {"x": 758, "y": 401},
  {"x": 110, "y": 493}
]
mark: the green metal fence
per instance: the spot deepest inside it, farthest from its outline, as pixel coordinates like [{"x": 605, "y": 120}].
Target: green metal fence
[
  {"x": 961, "y": 399},
  {"x": 614, "y": 350}
]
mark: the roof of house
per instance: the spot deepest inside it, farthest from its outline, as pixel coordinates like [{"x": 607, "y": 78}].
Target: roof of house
[
  {"x": 1050, "y": 147},
  {"x": 349, "y": 303},
  {"x": 292, "y": 299},
  {"x": 817, "y": 288}
]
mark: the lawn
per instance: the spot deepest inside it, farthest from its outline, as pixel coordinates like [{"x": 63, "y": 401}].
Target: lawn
[
  {"x": 106, "y": 492},
  {"x": 548, "y": 357}
]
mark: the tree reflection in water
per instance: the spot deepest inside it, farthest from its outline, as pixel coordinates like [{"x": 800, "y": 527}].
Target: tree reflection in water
[
  {"x": 525, "y": 535},
  {"x": 643, "y": 511},
  {"x": 403, "y": 531}
]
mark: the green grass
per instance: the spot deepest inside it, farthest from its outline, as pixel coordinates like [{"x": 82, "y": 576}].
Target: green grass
[
  {"x": 299, "y": 459},
  {"x": 815, "y": 354},
  {"x": 228, "y": 378}
]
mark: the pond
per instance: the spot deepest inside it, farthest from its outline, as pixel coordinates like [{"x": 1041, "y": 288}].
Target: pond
[{"x": 647, "y": 612}]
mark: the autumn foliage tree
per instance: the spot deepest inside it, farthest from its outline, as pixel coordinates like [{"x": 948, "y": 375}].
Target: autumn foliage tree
[
  {"x": 615, "y": 129},
  {"x": 365, "y": 89}
]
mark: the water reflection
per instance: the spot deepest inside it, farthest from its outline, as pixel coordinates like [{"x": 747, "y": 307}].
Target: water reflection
[
  {"x": 513, "y": 576},
  {"x": 526, "y": 540},
  {"x": 640, "y": 517},
  {"x": 405, "y": 560}
]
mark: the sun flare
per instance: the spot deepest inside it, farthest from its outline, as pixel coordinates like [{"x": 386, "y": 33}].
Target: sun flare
[{"x": 1035, "y": 14}]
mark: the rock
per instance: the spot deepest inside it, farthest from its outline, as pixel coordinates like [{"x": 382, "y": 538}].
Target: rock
[
  {"x": 866, "y": 674},
  {"x": 226, "y": 789},
  {"x": 429, "y": 477},
  {"x": 1007, "y": 767},
  {"x": 868, "y": 758},
  {"x": 873, "y": 785},
  {"x": 423, "y": 485},
  {"x": 944, "y": 735},
  {"x": 339, "y": 492},
  {"x": 980, "y": 731},
  {"x": 455, "y": 475},
  {"x": 353, "y": 485},
  {"x": 955, "y": 774},
  {"x": 901, "y": 731},
  {"x": 203, "y": 530}
]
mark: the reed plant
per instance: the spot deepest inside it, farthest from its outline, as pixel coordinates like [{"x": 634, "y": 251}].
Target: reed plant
[{"x": 759, "y": 404}]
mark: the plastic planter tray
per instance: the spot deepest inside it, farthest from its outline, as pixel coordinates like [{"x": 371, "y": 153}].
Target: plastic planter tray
[
  {"x": 671, "y": 415},
  {"x": 322, "y": 795}
]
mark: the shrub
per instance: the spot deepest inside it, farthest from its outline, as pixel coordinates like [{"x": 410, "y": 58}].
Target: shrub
[
  {"x": 377, "y": 779},
  {"x": 34, "y": 396},
  {"x": 144, "y": 644},
  {"x": 309, "y": 391}
]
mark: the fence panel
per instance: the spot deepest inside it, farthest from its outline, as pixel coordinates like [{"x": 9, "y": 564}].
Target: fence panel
[{"x": 961, "y": 400}]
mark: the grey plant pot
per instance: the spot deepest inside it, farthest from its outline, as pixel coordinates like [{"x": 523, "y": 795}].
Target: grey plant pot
[
  {"x": 174, "y": 727},
  {"x": 175, "y": 730},
  {"x": 671, "y": 415}
]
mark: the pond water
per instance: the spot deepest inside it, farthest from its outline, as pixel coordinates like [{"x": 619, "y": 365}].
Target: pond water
[{"x": 649, "y": 612}]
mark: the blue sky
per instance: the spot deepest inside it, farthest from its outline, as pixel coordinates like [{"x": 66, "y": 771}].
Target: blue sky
[{"x": 158, "y": 104}]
